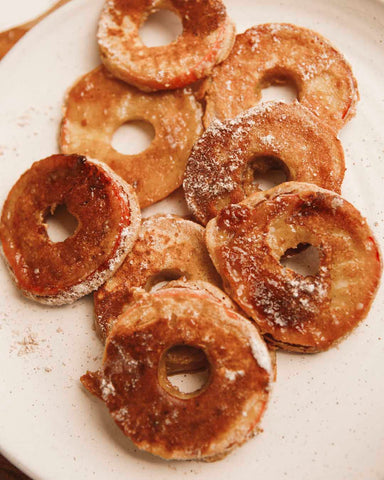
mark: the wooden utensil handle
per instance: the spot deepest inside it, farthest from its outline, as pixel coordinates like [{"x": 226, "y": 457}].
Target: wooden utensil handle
[
  {"x": 9, "y": 472},
  {"x": 13, "y": 35}
]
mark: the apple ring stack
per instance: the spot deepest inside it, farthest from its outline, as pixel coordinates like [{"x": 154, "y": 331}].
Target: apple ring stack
[
  {"x": 295, "y": 312},
  {"x": 207, "y": 39},
  {"x": 272, "y": 135},
  {"x": 206, "y": 424},
  {"x": 98, "y": 104},
  {"x": 279, "y": 53}
]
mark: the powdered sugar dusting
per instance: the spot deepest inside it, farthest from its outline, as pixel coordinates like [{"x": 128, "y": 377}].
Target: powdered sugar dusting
[
  {"x": 223, "y": 162},
  {"x": 231, "y": 375},
  {"x": 107, "y": 389},
  {"x": 337, "y": 202},
  {"x": 261, "y": 354}
]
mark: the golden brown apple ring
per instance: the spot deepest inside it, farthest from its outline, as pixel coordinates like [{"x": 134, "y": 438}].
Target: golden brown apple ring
[
  {"x": 295, "y": 312},
  {"x": 183, "y": 359},
  {"x": 207, "y": 39},
  {"x": 277, "y": 53},
  {"x": 160, "y": 419},
  {"x": 108, "y": 222},
  {"x": 270, "y": 136},
  {"x": 167, "y": 248},
  {"x": 97, "y": 105}
]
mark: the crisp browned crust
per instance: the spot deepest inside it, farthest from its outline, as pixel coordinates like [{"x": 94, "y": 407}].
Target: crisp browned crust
[
  {"x": 246, "y": 242},
  {"x": 222, "y": 164},
  {"x": 148, "y": 409},
  {"x": 97, "y": 105},
  {"x": 277, "y": 53},
  {"x": 167, "y": 248},
  {"x": 207, "y": 39},
  {"x": 108, "y": 222}
]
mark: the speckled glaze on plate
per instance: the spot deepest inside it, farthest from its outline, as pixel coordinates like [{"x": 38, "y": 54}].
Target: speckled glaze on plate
[{"x": 325, "y": 419}]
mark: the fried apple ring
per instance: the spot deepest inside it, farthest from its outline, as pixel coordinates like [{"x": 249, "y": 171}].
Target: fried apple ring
[
  {"x": 206, "y": 424},
  {"x": 97, "y": 105},
  {"x": 295, "y": 312},
  {"x": 167, "y": 248},
  {"x": 207, "y": 39},
  {"x": 183, "y": 359},
  {"x": 108, "y": 218},
  {"x": 283, "y": 53},
  {"x": 273, "y": 135}
]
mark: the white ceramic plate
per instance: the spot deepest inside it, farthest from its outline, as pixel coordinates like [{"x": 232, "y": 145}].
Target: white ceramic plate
[{"x": 326, "y": 416}]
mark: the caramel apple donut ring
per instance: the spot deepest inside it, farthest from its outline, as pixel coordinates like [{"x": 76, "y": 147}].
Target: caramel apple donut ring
[
  {"x": 206, "y": 424},
  {"x": 295, "y": 312},
  {"x": 167, "y": 248},
  {"x": 207, "y": 39},
  {"x": 277, "y": 53},
  {"x": 108, "y": 218},
  {"x": 97, "y": 105},
  {"x": 269, "y": 136},
  {"x": 183, "y": 359}
]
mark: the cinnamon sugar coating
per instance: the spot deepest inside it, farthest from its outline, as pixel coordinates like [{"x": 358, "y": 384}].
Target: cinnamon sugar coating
[
  {"x": 98, "y": 104},
  {"x": 108, "y": 221},
  {"x": 158, "y": 418},
  {"x": 273, "y": 135},
  {"x": 276, "y": 53},
  {"x": 167, "y": 248},
  {"x": 206, "y": 40},
  {"x": 299, "y": 313}
]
